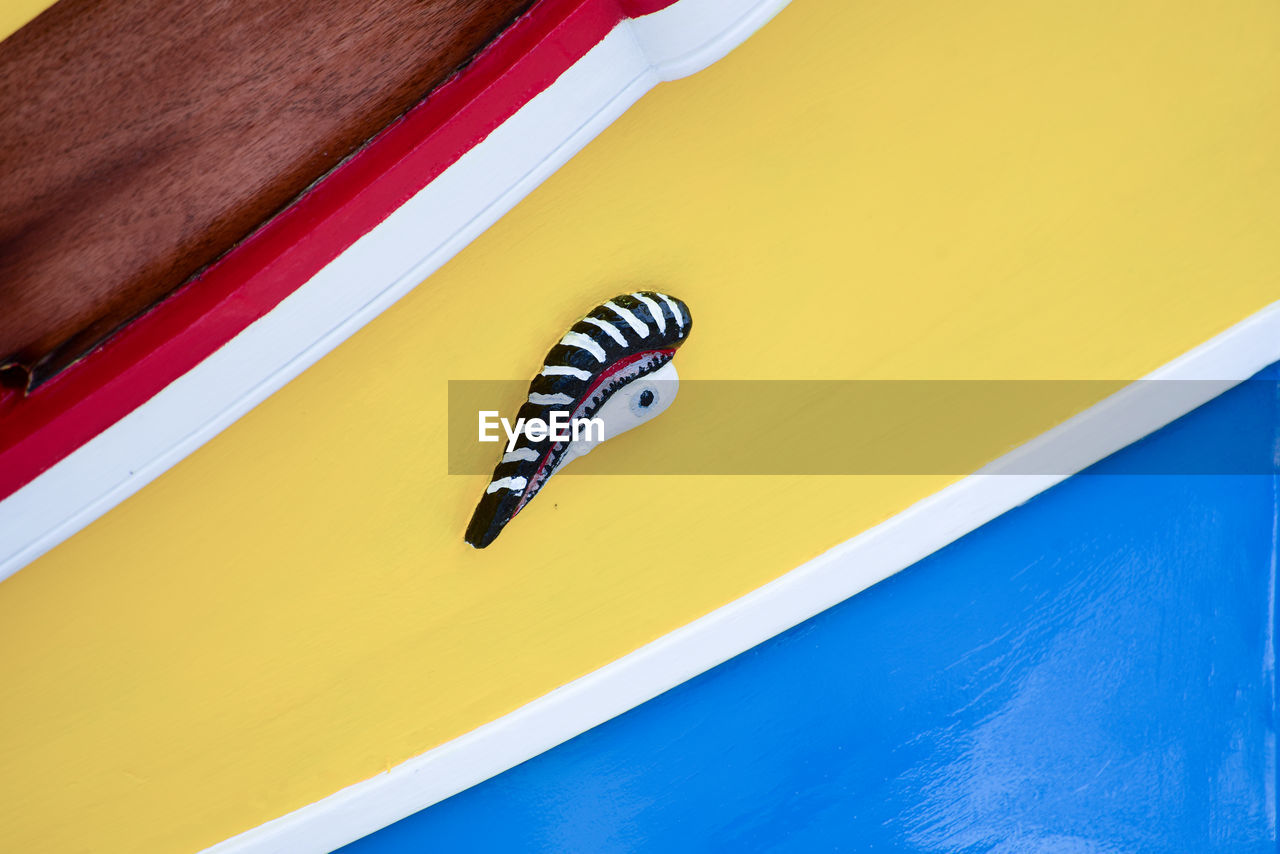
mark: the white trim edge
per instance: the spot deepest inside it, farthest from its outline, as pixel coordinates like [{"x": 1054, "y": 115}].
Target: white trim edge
[
  {"x": 915, "y": 533},
  {"x": 376, "y": 271}
]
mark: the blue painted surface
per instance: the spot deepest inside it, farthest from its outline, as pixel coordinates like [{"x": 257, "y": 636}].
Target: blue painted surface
[{"x": 1091, "y": 672}]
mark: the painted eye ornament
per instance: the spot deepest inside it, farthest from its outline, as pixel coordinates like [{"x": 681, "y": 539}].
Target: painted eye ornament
[{"x": 611, "y": 371}]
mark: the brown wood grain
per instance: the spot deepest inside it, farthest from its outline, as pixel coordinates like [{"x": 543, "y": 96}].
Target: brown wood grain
[{"x": 140, "y": 139}]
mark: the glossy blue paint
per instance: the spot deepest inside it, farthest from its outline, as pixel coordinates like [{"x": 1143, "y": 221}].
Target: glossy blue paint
[{"x": 1091, "y": 672}]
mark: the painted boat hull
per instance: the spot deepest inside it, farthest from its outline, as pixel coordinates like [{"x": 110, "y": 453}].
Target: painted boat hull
[{"x": 1093, "y": 671}]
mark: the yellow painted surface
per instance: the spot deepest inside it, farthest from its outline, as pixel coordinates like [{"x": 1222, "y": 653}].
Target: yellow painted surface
[
  {"x": 871, "y": 189},
  {"x": 14, "y": 14}
]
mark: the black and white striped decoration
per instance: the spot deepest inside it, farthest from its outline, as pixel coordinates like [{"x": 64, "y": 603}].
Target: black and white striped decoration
[{"x": 617, "y": 342}]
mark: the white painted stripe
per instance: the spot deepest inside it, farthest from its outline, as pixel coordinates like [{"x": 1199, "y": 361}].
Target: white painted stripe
[
  {"x": 658, "y": 316},
  {"x": 549, "y": 399},
  {"x": 390, "y": 261},
  {"x": 520, "y": 455},
  {"x": 640, "y": 327},
  {"x": 564, "y": 371},
  {"x": 675, "y": 309},
  {"x": 381, "y": 267},
  {"x": 513, "y": 483},
  {"x": 583, "y": 342},
  {"x": 810, "y": 589},
  {"x": 607, "y": 327}
]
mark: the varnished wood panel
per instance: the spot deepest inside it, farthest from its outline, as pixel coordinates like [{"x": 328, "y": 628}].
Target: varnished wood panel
[
  {"x": 140, "y": 139},
  {"x": 861, "y": 191}
]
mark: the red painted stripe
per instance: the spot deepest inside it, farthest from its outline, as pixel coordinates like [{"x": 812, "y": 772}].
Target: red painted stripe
[
  {"x": 636, "y": 8},
  {"x": 39, "y": 430},
  {"x": 609, "y": 373}
]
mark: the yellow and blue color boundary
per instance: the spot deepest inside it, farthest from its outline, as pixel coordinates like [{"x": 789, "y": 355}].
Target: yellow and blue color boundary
[{"x": 861, "y": 191}]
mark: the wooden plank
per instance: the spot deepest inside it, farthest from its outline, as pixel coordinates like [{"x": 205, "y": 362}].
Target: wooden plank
[
  {"x": 991, "y": 191},
  {"x": 140, "y": 140}
]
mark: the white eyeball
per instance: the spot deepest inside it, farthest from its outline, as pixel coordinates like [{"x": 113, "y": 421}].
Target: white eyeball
[
  {"x": 645, "y": 400},
  {"x": 630, "y": 406}
]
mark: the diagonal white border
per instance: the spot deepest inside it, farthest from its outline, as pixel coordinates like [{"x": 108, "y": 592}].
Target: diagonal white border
[
  {"x": 390, "y": 261},
  {"x": 1121, "y": 419},
  {"x": 378, "y": 269}
]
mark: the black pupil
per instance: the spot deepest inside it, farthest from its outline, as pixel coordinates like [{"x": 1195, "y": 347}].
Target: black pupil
[{"x": 646, "y": 397}]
